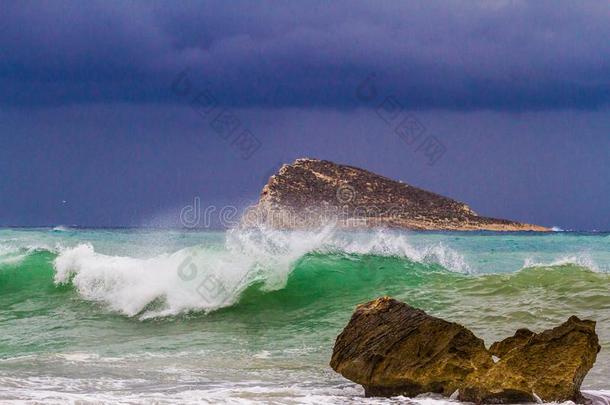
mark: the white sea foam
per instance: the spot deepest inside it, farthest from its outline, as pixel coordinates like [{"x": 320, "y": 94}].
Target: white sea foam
[
  {"x": 580, "y": 260},
  {"x": 58, "y": 390},
  {"x": 16, "y": 246},
  {"x": 205, "y": 278},
  {"x": 10, "y": 256},
  {"x": 13, "y": 254},
  {"x": 387, "y": 243},
  {"x": 130, "y": 285}
]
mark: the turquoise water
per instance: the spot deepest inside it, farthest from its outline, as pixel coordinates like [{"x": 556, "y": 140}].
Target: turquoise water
[{"x": 138, "y": 316}]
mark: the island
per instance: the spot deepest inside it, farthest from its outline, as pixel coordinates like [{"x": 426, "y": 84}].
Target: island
[{"x": 310, "y": 193}]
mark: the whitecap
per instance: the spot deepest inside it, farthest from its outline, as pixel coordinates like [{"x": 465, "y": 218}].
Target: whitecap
[
  {"x": 579, "y": 259},
  {"x": 206, "y": 278}
]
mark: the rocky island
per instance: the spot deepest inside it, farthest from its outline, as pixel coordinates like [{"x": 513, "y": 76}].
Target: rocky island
[{"x": 309, "y": 193}]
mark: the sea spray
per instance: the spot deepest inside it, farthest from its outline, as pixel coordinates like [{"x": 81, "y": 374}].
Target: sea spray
[
  {"x": 204, "y": 278},
  {"x": 208, "y": 277},
  {"x": 583, "y": 260}
]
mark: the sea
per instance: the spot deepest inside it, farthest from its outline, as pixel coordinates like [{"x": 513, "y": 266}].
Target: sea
[{"x": 162, "y": 316}]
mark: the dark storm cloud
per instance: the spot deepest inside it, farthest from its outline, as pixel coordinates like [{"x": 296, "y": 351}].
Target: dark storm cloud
[{"x": 430, "y": 54}]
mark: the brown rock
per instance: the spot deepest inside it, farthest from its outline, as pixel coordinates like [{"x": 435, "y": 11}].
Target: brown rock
[
  {"x": 520, "y": 338},
  {"x": 393, "y": 349},
  {"x": 551, "y": 364}
]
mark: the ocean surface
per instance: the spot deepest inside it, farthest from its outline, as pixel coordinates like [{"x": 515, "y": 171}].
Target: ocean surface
[{"x": 177, "y": 317}]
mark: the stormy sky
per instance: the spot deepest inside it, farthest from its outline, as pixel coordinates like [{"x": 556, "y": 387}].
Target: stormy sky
[{"x": 120, "y": 113}]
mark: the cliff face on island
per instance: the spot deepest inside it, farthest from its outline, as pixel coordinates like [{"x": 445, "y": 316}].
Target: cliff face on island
[{"x": 310, "y": 193}]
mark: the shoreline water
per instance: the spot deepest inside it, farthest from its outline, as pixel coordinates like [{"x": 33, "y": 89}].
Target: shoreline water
[{"x": 104, "y": 315}]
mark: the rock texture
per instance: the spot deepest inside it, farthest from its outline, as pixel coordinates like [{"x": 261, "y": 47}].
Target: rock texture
[
  {"x": 309, "y": 193},
  {"x": 520, "y": 338},
  {"x": 551, "y": 364},
  {"x": 391, "y": 348}
]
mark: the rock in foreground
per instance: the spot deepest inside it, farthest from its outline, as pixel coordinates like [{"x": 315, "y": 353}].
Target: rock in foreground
[
  {"x": 551, "y": 364},
  {"x": 391, "y": 348}
]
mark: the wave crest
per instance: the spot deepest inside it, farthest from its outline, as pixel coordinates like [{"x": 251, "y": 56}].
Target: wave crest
[
  {"x": 206, "y": 278},
  {"x": 579, "y": 260},
  {"x": 13, "y": 254}
]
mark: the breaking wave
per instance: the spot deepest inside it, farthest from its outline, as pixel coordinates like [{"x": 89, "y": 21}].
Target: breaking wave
[
  {"x": 208, "y": 277},
  {"x": 581, "y": 260}
]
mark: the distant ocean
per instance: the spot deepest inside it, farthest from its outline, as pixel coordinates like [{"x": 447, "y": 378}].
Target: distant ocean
[{"x": 178, "y": 317}]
